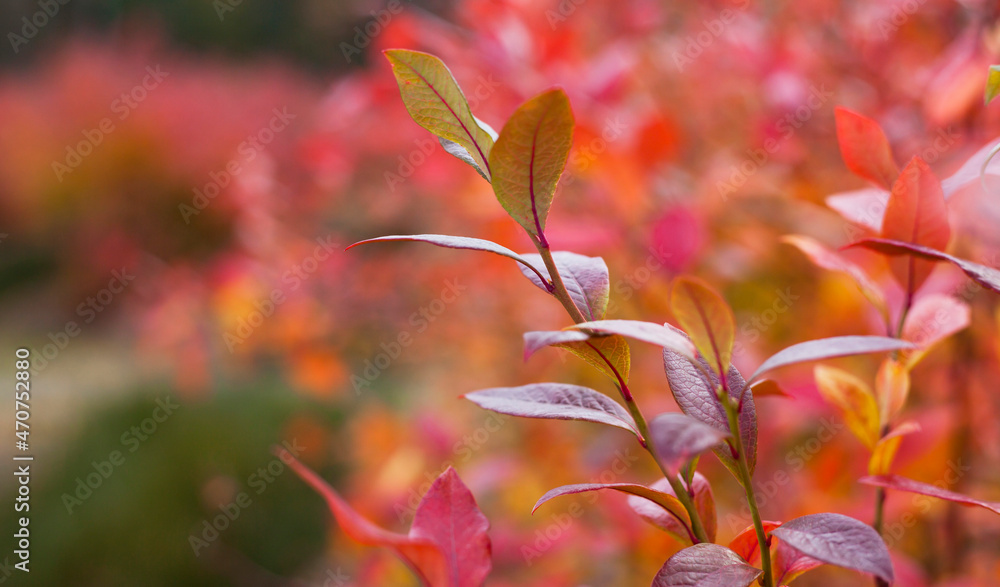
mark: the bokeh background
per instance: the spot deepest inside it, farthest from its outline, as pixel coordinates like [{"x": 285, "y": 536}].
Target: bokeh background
[{"x": 167, "y": 166}]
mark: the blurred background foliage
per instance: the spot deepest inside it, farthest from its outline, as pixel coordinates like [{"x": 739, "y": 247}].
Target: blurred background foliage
[{"x": 277, "y": 137}]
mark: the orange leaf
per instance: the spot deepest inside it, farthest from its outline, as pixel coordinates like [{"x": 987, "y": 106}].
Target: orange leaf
[
  {"x": 529, "y": 157},
  {"x": 707, "y": 319},
  {"x": 892, "y": 387},
  {"x": 882, "y": 457},
  {"x": 865, "y": 148},
  {"x": 854, "y": 400}
]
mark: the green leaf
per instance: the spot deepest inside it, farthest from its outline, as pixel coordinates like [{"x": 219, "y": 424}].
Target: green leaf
[
  {"x": 434, "y": 100},
  {"x": 993, "y": 83},
  {"x": 529, "y": 157}
]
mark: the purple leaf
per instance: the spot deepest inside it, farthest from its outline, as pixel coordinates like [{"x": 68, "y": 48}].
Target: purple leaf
[
  {"x": 455, "y": 242},
  {"x": 448, "y": 516},
  {"x": 828, "y": 348},
  {"x": 665, "y": 500},
  {"x": 704, "y": 503},
  {"x": 911, "y": 486},
  {"x": 665, "y": 336},
  {"x": 838, "y": 540},
  {"x": 696, "y": 397},
  {"x": 586, "y": 280},
  {"x": 533, "y": 341},
  {"x": 987, "y": 277},
  {"x": 706, "y": 565},
  {"x": 678, "y": 438},
  {"x": 557, "y": 401}
]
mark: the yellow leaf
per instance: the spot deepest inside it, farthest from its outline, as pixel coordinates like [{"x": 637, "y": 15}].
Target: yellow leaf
[
  {"x": 892, "y": 387},
  {"x": 880, "y": 462},
  {"x": 529, "y": 157},
  {"x": 993, "y": 83},
  {"x": 854, "y": 400},
  {"x": 706, "y": 318},
  {"x": 615, "y": 348},
  {"x": 434, "y": 100}
]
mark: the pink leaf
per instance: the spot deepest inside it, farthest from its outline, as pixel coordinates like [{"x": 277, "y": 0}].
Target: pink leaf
[
  {"x": 911, "y": 486},
  {"x": 449, "y": 517},
  {"x": 970, "y": 171},
  {"x": 828, "y": 259},
  {"x": 932, "y": 319},
  {"x": 865, "y": 207},
  {"x": 981, "y": 274},
  {"x": 667, "y": 501}
]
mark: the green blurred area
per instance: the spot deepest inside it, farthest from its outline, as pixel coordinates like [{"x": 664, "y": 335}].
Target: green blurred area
[
  {"x": 305, "y": 32},
  {"x": 135, "y": 526}
]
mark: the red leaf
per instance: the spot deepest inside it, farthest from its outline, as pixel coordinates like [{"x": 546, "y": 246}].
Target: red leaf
[
  {"x": 449, "y": 517},
  {"x": 865, "y": 148},
  {"x": 423, "y": 555},
  {"x": 916, "y": 214},
  {"x": 745, "y": 544},
  {"x": 911, "y": 486}
]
